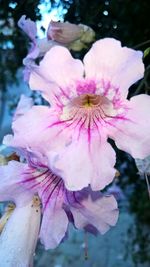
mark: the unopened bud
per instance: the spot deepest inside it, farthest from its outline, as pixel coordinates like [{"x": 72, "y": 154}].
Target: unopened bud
[
  {"x": 64, "y": 32},
  {"x": 88, "y": 35},
  {"x": 68, "y": 33},
  {"x": 77, "y": 46}
]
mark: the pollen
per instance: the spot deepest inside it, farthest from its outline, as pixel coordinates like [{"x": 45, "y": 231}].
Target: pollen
[
  {"x": 88, "y": 102},
  {"x": 36, "y": 202}
]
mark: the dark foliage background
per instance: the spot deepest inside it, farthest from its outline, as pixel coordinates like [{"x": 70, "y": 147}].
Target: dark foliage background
[{"x": 125, "y": 20}]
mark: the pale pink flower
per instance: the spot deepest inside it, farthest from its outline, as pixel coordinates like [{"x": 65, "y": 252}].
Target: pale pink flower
[
  {"x": 87, "y": 210},
  {"x": 24, "y": 104},
  {"x": 88, "y": 106},
  {"x": 19, "y": 237},
  {"x": 66, "y": 33}
]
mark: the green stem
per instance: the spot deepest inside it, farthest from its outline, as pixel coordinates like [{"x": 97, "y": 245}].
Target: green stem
[{"x": 141, "y": 44}]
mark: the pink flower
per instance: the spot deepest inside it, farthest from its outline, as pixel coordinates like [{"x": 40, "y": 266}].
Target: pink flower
[
  {"x": 63, "y": 32},
  {"x": 66, "y": 33},
  {"x": 24, "y": 104},
  {"x": 85, "y": 209},
  {"x": 88, "y": 106}
]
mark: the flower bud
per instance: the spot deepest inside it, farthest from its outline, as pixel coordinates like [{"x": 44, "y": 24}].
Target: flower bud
[
  {"x": 88, "y": 35},
  {"x": 64, "y": 32},
  {"x": 77, "y": 46},
  {"x": 68, "y": 33}
]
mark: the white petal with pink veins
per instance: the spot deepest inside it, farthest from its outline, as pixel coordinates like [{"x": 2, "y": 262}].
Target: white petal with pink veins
[
  {"x": 55, "y": 221},
  {"x": 10, "y": 183},
  {"x": 59, "y": 67},
  {"x": 54, "y": 227},
  {"x": 39, "y": 129},
  {"x": 80, "y": 164},
  {"x": 113, "y": 64}
]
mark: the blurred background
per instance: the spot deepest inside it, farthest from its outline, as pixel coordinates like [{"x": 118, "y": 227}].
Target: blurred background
[{"x": 128, "y": 244}]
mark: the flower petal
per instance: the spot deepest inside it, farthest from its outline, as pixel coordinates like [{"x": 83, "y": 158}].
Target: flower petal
[
  {"x": 119, "y": 66},
  {"x": 133, "y": 135},
  {"x": 19, "y": 237},
  {"x": 28, "y": 26},
  {"x": 25, "y": 103},
  {"x": 59, "y": 67},
  {"x": 79, "y": 166},
  {"x": 10, "y": 186},
  {"x": 50, "y": 91},
  {"x": 35, "y": 131},
  {"x": 54, "y": 222},
  {"x": 101, "y": 212}
]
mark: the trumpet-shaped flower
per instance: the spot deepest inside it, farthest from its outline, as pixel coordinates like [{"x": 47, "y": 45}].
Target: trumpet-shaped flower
[
  {"x": 88, "y": 106},
  {"x": 19, "y": 236},
  {"x": 86, "y": 209}
]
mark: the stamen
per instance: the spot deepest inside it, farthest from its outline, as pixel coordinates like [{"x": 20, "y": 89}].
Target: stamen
[{"x": 36, "y": 201}]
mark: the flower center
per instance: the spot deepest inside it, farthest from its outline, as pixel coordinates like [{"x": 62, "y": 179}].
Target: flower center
[
  {"x": 89, "y": 107},
  {"x": 87, "y": 100}
]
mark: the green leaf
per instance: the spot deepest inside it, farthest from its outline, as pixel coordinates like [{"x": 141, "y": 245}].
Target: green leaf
[{"x": 146, "y": 52}]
